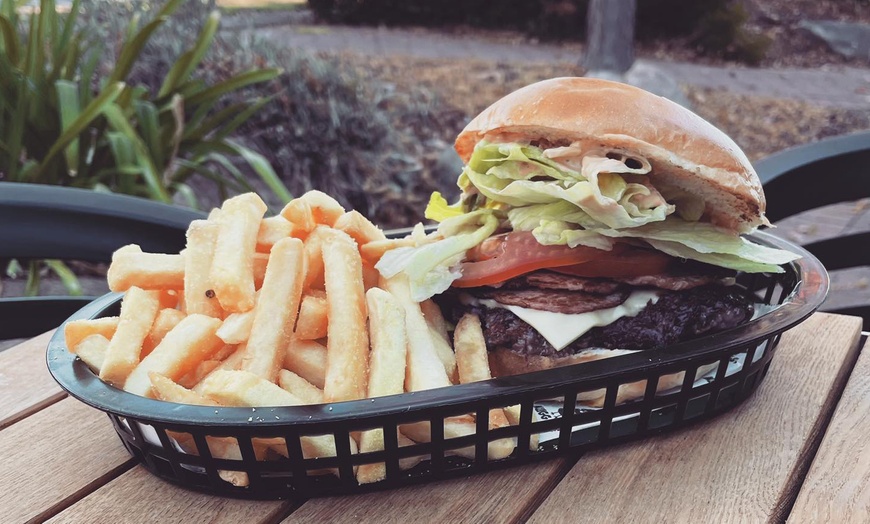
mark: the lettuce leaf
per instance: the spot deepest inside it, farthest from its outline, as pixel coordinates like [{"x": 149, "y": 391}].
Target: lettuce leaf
[
  {"x": 431, "y": 268},
  {"x": 520, "y": 176},
  {"x": 439, "y": 210}
]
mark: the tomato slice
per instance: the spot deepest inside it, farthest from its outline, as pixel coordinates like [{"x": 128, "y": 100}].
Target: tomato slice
[
  {"x": 630, "y": 263},
  {"x": 507, "y": 256}
]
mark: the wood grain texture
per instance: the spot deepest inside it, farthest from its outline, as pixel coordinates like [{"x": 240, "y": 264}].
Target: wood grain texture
[
  {"x": 498, "y": 496},
  {"x": 738, "y": 467},
  {"x": 55, "y": 456},
  {"x": 138, "y": 496},
  {"x": 837, "y": 487},
  {"x": 25, "y": 384}
]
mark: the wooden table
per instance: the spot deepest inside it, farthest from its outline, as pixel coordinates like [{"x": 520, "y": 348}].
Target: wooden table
[{"x": 795, "y": 451}]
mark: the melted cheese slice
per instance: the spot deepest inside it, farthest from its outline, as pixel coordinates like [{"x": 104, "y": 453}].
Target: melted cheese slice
[{"x": 560, "y": 329}]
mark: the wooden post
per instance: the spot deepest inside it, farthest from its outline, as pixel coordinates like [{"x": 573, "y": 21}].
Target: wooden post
[{"x": 610, "y": 35}]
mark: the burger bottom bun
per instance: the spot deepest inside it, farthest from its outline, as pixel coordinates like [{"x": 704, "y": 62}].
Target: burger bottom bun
[{"x": 503, "y": 362}]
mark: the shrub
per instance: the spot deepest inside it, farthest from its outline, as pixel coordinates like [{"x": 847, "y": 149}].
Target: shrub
[{"x": 67, "y": 118}]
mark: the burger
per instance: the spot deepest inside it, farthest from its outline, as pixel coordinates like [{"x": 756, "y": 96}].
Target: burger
[{"x": 595, "y": 219}]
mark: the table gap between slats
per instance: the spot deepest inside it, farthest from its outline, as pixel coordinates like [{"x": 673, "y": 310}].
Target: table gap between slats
[{"x": 26, "y": 387}]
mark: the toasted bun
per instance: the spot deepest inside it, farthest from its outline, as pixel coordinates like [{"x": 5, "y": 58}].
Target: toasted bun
[
  {"x": 503, "y": 362},
  {"x": 686, "y": 152}
]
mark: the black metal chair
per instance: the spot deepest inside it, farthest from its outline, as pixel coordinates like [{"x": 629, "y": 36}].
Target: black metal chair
[
  {"x": 45, "y": 222},
  {"x": 818, "y": 174}
]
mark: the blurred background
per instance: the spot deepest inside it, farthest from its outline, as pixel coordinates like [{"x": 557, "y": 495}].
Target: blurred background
[{"x": 190, "y": 101}]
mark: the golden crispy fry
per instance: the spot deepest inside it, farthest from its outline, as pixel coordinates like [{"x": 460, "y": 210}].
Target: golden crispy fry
[
  {"x": 131, "y": 267},
  {"x": 231, "y": 363},
  {"x": 197, "y": 374},
  {"x": 224, "y": 448},
  {"x": 299, "y": 387},
  {"x": 359, "y": 228},
  {"x": 347, "y": 339},
  {"x": 470, "y": 347},
  {"x": 243, "y": 388},
  {"x": 261, "y": 260},
  {"x": 181, "y": 350},
  {"x": 199, "y": 294},
  {"x": 272, "y": 230},
  {"x": 232, "y": 269},
  {"x": 387, "y": 373},
  {"x": 313, "y": 208},
  {"x": 299, "y": 213},
  {"x": 314, "y": 255},
  {"x": 424, "y": 369},
  {"x": 373, "y": 251},
  {"x": 313, "y": 319},
  {"x": 76, "y": 330},
  {"x": 166, "y": 319},
  {"x": 435, "y": 318},
  {"x": 167, "y": 390},
  {"x": 371, "y": 276},
  {"x": 445, "y": 355},
  {"x": 389, "y": 344},
  {"x": 170, "y": 298},
  {"x": 276, "y": 309},
  {"x": 307, "y": 358},
  {"x": 236, "y": 327},
  {"x": 92, "y": 351},
  {"x": 138, "y": 311}
]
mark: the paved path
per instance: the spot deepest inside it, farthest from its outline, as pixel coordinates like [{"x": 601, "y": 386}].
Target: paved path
[{"x": 845, "y": 87}]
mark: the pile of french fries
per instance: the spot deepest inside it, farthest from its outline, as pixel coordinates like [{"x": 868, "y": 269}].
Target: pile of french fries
[{"x": 282, "y": 311}]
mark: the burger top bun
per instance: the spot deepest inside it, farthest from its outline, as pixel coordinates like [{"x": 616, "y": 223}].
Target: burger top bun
[{"x": 687, "y": 153}]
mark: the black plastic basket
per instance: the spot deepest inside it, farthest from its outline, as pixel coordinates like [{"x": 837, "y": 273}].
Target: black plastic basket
[{"x": 550, "y": 411}]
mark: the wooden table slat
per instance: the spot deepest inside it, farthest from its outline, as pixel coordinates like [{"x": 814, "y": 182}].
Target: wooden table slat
[
  {"x": 734, "y": 468},
  {"x": 498, "y": 496},
  {"x": 25, "y": 384},
  {"x": 837, "y": 487},
  {"x": 138, "y": 496},
  {"x": 54, "y": 457}
]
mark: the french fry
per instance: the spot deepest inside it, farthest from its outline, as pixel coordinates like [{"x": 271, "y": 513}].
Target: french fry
[
  {"x": 387, "y": 373},
  {"x": 181, "y": 350},
  {"x": 236, "y": 328},
  {"x": 75, "y": 331},
  {"x": 314, "y": 255},
  {"x": 473, "y": 366},
  {"x": 131, "y": 267},
  {"x": 232, "y": 269},
  {"x": 231, "y": 363},
  {"x": 92, "y": 351},
  {"x": 373, "y": 251},
  {"x": 435, "y": 318},
  {"x": 243, "y": 388},
  {"x": 299, "y": 387},
  {"x": 198, "y": 373},
  {"x": 313, "y": 319},
  {"x": 424, "y": 369},
  {"x": 276, "y": 309},
  {"x": 223, "y": 448},
  {"x": 170, "y": 298},
  {"x": 371, "y": 276},
  {"x": 138, "y": 311},
  {"x": 261, "y": 260},
  {"x": 313, "y": 207},
  {"x": 272, "y": 230},
  {"x": 199, "y": 295},
  {"x": 359, "y": 227},
  {"x": 445, "y": 355},
  {"x": 165, "y": 320},
  {"x": 347, "y": 338},
  {"x": 307, "y": 358},
  {"x": 299, "y": 213},
  {"x": 167, "y": 390}
]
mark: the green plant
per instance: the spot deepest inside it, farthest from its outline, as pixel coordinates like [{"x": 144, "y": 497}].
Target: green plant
[{"x": 62, "y": 121}]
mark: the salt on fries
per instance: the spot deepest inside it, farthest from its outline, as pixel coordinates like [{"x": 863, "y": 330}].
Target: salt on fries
[{"x": 283, "y": 310}]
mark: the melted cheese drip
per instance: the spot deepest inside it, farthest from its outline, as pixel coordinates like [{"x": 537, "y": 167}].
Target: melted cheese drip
[{"x": 560, "y": 329}]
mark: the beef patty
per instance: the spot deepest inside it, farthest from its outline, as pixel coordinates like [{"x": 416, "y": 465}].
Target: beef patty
[{"x": 675, "y": 317}]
